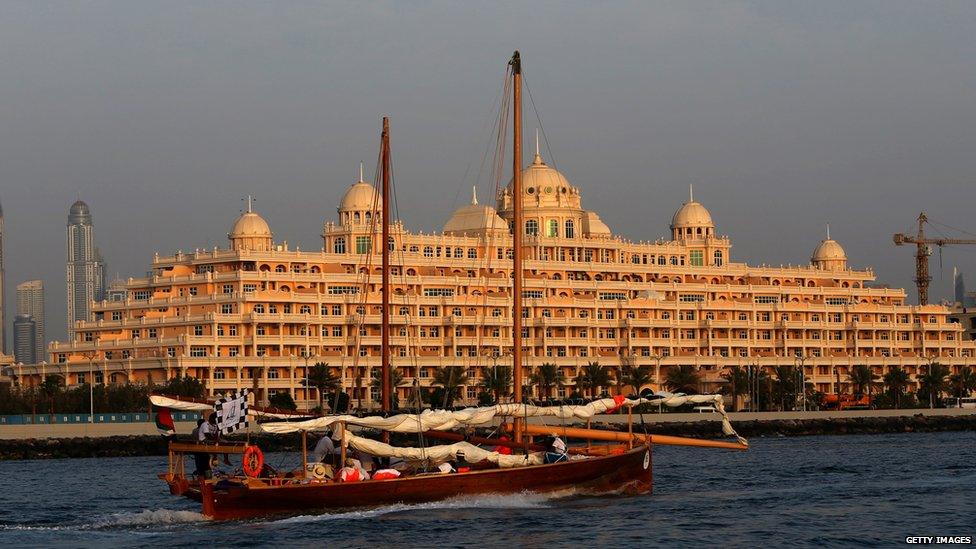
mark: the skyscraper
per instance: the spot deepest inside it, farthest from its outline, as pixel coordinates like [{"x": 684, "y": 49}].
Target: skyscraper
[
  {"x": 3, "y": 295},
  {"x": 85, "y": 269},
  {"x": 24, "y": 338},
  {"x": 30, "y": 303}
]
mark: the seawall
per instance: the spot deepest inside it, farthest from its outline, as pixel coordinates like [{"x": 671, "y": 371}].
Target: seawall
[{"x": 140, "y": 439}]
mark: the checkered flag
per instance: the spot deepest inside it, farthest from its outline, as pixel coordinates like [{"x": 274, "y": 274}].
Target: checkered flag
[{"x": 232, "y": 413}]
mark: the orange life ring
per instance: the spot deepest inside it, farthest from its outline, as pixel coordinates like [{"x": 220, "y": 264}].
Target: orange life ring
[{"x": 253, "y": 461}]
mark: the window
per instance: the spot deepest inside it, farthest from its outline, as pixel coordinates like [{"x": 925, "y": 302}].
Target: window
[
  {"x": 198, "y": 351},
  {"x": 691, "y": 298},
  {"x": 363, "y": 244},
  {"x": 116, "y": 315},
  {"x": 340, "y": 290},
  {"x": 552, "y": 230},
  {"x": 612, "y": 295},
  {"x": 766, "y": 299},
  {"x": 220, "y": 330},
  {"x": 227, "y": 308},
  {"x": 836, "y": 301},
  {"x": 336, "y": 310},
  {"x": 219, "y": 373},
  {"x": 717, "y": 261},
  {"x": 472, "y": 253},
  {"x": 153, "y": 332},
  {"x": 496, "y": 312},
  {"x": 259, "y": 308},
  {"x": 532, "y": 294},
  {"x": 198, "y": 330},
  {"x": 339, "y": 246},
  {"x": 250, "y": 288},
  {"x": 228, "y": 288},
  {"x": 697, "y": 258},
  {"x": 141, "y": 295},
  {"x": 273, "y": 373},
  {"x": 532, "y": 227},
  {"x": 438, "y": 292},
  {"x": 547, "y": 313},
  {"x": 570, "y": 229},
  {"x": 428, "y": 251},
  {"x": 193, "y": 290},
  {"x": 674, "y": 260},
  {"x": 261, "y": 330}
]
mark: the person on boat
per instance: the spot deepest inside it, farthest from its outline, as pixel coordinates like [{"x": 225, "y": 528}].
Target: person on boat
[
  {"x": 325, "y": 449},
  {"x": 386, "y": 474},
  {"x": 505, "y": 450},
  {"x": 366, "y": 460},
  {"x": 210, "y": 432},
  {"x": 353, "y": 471},
  {"x": 555, "y": 449},
  {"x": 201, "y": 460}
]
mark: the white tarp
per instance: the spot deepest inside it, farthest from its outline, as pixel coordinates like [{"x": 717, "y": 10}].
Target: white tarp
[
  {"x": 440, "y": 453},
  {"x": 186, "y": 406}
]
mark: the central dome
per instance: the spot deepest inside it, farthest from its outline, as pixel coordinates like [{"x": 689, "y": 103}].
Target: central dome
[
  {"x": 361, "y": 196},
  {"x": 691, "y": 214},
  {"x": 475, "y": 219},
  {"x": 250, "y": 224},
  {"x": 829, "y": 250},
  {"x": 542, "y": 180}
]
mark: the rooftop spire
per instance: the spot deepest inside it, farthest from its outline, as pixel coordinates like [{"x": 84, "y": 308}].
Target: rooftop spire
[
  {"x": 691, "y": 192},
  {"x": 249, "y": 199},
  {"x": 538, "y": 157},
  {"x": 361, "y": 180},
  {"x": 828, "y": 231},
  {"x": 474, "y": 195}
]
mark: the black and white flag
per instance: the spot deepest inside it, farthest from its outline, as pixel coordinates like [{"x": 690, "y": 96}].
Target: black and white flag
[{"x": 232, "y": 412}]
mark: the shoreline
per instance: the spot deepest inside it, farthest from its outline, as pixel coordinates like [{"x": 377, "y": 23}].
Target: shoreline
[{"x": 787, "y": 424}]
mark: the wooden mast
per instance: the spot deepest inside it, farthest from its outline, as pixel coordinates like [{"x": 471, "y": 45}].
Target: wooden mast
[
  {"x": 385, "y": 309},
  {"x": 517, "y": 229}
]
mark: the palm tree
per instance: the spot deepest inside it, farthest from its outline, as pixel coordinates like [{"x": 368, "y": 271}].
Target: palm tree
[
  {"x": 683, "y": 379},
  {"x": 497, "y": 380},
  {"x": 321, "y": 377},
  {"x": 450, "y": 379},
  {"x": 396, "y": 380},
  {"x": 593, "y": 377},
  {"x": 738, "y": 380},
  {"x": 896, "y": 380},
  {"x": 637, "y": 377},
  {"x": 546, "y": 377},
  {"x": 861, "y": 376},
  {"x": 933, "y": 382},
  {"x": 963, "y": 383},
  {"x": 786, "y": 384}
]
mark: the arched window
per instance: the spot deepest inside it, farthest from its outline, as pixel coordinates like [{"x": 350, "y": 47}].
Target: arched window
[
  {"x": 280, "y": 269},
  {"x": 458, "y": 253},
  {"x": 391, "y": 244},
  {"x": 661, "y": 260},
  {"x": 532, "y": 227},
  {"x": 553, "y": 229},
  {"x": 717, "y": 258},
  {"x": 570, "y": 229},
  {"x": 355, "y": 217},
  {"x": 368, "y": 216},
  {"x": 674, "y": 260}
]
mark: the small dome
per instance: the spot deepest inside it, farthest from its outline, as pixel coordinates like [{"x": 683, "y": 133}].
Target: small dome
[
  {"x": 79, "y": 208},
  {"x": 250, "y": 224},
  {"x": 594, "y": 227},
  {"x": 828, "y": 250},
  {"x": 474, "y": 218},
  {"x": 361, "y": 196},
  {"x": 691, "y": 214}
]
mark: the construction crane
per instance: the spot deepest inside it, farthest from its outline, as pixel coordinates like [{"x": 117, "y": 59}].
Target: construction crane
[{"x": 922, "y": 253}]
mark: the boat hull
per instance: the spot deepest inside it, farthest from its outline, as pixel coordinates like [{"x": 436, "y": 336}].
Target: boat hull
[{"x": 628, "y": 473}]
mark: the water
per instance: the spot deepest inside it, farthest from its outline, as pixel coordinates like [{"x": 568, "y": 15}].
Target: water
[{"x": 854, "y": 490}]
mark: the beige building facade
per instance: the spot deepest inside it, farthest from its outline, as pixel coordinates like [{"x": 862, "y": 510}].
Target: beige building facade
[{"x": 258, "y": 313}]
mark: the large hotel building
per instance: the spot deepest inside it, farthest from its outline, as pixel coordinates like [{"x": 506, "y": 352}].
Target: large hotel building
[{"x": 259, "y": 313}]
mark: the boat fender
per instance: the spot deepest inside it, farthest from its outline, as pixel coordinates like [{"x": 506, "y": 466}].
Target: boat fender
[{"x": 253, "y": 461}]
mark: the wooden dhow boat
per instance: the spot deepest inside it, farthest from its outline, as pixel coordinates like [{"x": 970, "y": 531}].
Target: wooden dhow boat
[{"x": 515, "y": 464}]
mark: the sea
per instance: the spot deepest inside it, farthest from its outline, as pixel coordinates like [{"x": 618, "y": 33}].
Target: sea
[{"x": 856, "y": 490}]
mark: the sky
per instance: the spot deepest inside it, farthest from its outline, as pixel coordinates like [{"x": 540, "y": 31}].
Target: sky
[{"x": 784, "y": 115}]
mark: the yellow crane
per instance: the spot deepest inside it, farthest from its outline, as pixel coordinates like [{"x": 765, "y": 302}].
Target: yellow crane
[{"x": 922, "y": 253}]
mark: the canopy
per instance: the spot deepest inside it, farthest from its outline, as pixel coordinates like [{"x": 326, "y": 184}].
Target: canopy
[{"x": 440, "y": 453}]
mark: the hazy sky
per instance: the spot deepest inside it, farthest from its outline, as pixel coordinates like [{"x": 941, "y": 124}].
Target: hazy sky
[{"x": 784, "y": 115}]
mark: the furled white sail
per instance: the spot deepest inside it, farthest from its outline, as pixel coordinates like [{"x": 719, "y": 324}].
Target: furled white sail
[
  {"x": 440, "y": 453},
  {"x": 443, "y": 420}
]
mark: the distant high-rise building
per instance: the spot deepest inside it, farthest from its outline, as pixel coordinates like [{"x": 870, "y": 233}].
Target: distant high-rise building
[
  {"x": 24, "y": 338},
  {"x": 3, "y": 295},
  {"x": 85, "y": 268},
  {"x": 30, "y": 302},
  {"x": 959, "y": 285}
]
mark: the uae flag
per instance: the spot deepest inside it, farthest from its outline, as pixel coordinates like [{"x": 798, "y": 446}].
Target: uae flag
[
  {"x": 164, "y": 421},
  {"x": 232, "y": 412}
]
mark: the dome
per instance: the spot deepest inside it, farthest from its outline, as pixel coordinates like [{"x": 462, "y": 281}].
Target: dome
[
  {"x": 828, "y": 250},
  {"x": 691, "y": 214},
  {"x": 542, "y": 179},
  {"x": 474, "y": 218},
  {"x": 250, "y": 224},
  {"x": 595, "y": 227},
  {"x": 79, "y": 208},
  {"x": 361, "y": 197}
]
